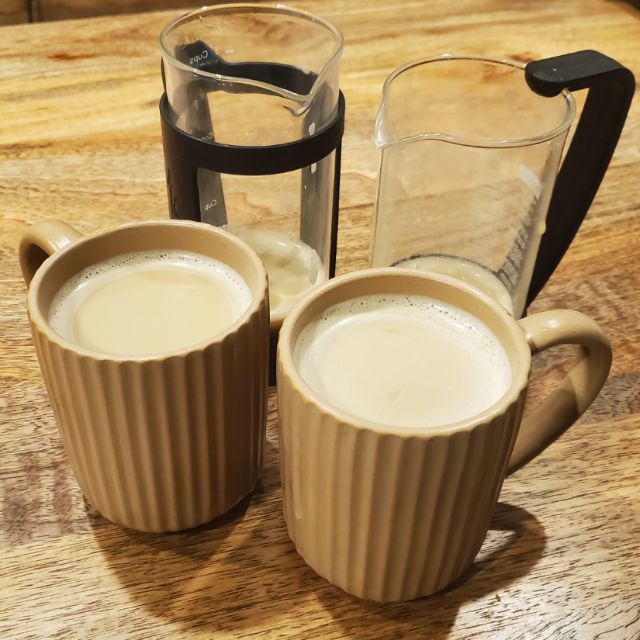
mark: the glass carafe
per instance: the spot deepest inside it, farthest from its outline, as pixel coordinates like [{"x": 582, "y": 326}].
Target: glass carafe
[
  {"x": 470, "y": 155},
  {"x": 244, "y": 77}
]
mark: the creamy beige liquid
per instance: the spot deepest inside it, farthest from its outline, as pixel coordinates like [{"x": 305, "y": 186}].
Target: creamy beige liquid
[
  {"x": 147, "y": 303},
  {"x": 468, "y": 271},
  {"x": 293, "y": 267},
  {"x": 405, "y": 361}
]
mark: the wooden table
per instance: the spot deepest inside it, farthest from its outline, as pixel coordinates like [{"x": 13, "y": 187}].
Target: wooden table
[{"x": 80, "y": 140}]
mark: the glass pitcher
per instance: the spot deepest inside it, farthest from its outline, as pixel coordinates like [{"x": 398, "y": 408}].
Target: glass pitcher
[
  {"x": 470, "y": 155},
  {"x": 252, "y": 81}
]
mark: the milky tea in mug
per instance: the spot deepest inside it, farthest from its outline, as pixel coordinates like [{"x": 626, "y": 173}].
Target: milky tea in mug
[
  {"x": 400, "y": 398},
  {"x": 153, "y": 341},
  {"x": 149, "y": 302},
  {"x": 403, "y": 360}
]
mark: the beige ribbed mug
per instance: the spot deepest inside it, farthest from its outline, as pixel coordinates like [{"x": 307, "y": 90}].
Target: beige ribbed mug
[
  {"x": 393, "y": 514},
  {"x": 163, "y": 442}
]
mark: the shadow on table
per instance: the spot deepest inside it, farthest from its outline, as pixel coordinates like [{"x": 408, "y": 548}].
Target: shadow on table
[
  {"x": 514, "y": 544},
  {"x": 231, "y": 574},
  {"x": 242, "y": 572}
]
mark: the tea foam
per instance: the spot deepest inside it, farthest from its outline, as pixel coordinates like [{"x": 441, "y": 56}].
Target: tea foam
[
  {"x": 403, "y": 361},
  {"x": 148, "y": 302}
]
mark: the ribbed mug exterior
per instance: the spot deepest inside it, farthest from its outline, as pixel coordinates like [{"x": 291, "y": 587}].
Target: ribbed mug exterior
[
  {"x": 164, "y": 443},
  {"x": 392, "y": 514},
  {"x": 388, "y": 517}
]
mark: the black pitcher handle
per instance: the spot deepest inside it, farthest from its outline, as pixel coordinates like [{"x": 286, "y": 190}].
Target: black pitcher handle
[{"x": 611, "y": 87}]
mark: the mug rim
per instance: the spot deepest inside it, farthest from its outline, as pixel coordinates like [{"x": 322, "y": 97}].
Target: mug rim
[
  {"x": 42, "y": 325},
  {"x": 519, "y": 373}
]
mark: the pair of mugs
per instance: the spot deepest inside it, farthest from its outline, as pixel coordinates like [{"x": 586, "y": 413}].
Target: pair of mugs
[{"x": 169, "y": 441}]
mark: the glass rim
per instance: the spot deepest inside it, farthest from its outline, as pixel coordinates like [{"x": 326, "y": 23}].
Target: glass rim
[
  {"x": 569, "y": 116},
  {"x": 242, "y": 7}
]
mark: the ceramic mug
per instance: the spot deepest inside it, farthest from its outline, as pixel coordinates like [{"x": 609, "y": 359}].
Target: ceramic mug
[
  {"x": 162, "y": 442},
  {"x": 392, "y": 514}
]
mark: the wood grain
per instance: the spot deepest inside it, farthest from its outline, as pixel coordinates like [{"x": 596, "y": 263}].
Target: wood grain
[
  {"x": 80, "y": 140},
  {"x": 13, "y": 11},
  {"x": 68, "y": 9}
]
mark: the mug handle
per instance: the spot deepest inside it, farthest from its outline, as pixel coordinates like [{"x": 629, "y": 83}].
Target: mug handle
[
  {"x": 40, "y": 241},
  {"x": 578, "y": 389}
]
